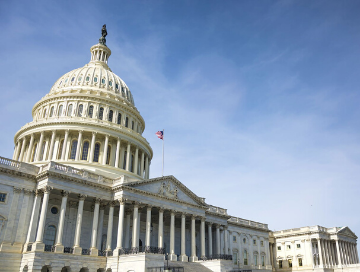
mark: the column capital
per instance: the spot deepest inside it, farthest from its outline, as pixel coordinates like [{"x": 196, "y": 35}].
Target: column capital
[
  {"x": 47, "y": 189},
  {"x": 202, "y": 218},
  {"x": 97, "y": 200},
  {"x": 73, "y": 204},
  {"x": 112, "y": 203},
  {"x": 42, "y": 133},
  {"x": 65, "y": 193},
  {"x": 193, "y": 217},
  {"x": 209, "y": 223},
  {"x": 183, "y": 215},
  {"x": 17, "y": 190},
  {"x": 172, "y": 212},
  {"x": 53, "y": 131},
  {"x": 136, "y": 204},
  {"x": 217, "y": 226},
  {"x": 103, "y": 205},
  {"x": 149, "y": 207},
  {"x": 161, "y": 209},
  {"x": 82, "y": 197},
  {"x": 122, "y": 200},
  {"x": 67, "y": 131}
]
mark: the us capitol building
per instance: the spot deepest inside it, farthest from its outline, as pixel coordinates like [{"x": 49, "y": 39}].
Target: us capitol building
[{"x": 77, "y": 197}]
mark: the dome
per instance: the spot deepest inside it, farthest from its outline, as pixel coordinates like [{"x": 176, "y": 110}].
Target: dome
[{"x": 88, "y": 120}]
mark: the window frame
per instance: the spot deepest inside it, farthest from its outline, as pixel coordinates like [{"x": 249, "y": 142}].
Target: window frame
[
  {"x": 5, "y": 197},
  {"x": 73, "y": 147},
  {"x": 87, "y": 151},
  {"x": 101, "y": 113},
  {"x": 96, "y": 155}
]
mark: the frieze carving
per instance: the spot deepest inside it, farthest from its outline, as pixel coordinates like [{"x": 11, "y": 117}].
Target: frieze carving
[
  {"x": 167, "y": 190},
  {"x": 17, "y": 190},
  {"x": 27, "y": 192}
]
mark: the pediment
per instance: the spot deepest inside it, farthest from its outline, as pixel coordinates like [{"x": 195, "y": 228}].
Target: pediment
[
  {"x": 168, "y": 187},
  {"x": 346, "y": 232}
]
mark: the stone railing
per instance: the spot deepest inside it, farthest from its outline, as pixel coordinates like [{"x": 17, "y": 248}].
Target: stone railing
[
  {"x": 21, "y": 166},
  {"x": 302, "y": 230},
  {"x": 219, "y": 210},
  {"x": 250, "y": 223},
  {"x": 79, "y": 173}
]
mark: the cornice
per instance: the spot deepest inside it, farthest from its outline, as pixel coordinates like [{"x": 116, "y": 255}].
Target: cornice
[
  {"x": 247, "y": 226},
  {"x": 17, "y": 172},
  {"x": 226, "y": 216}
]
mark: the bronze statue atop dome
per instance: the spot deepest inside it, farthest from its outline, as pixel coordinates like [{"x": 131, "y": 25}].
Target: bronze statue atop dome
[{"x": 102, "y": 40}]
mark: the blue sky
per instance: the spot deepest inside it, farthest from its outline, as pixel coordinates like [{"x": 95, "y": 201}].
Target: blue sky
[{"x": 258, "y": 99}]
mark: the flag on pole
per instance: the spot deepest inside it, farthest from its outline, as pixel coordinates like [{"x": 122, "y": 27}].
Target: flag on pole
[{"x": 160, "y": 134}]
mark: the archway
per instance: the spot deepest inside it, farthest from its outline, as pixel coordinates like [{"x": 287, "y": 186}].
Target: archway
[
  {"x": 84, "y": 269},
  {"x": 46, "y": 268},
  {"x": 66, "y": 269}
]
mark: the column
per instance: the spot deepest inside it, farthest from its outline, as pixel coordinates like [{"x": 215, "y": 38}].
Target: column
[
  {"x": 172, "y": 254},
  {"x": 105, "y": 149},
  {"x": 39, "y": 245},
  {"x": 19, "y": 239},
  {"x": 119, "y": 239},
  {"x": 127, "y": 168},
  {"x": 135, "y": 237},
  {"x": 226, "y": 246},
  {"x": 183, "y": 256},
  {"x": 110, "y": 226},
  {"x": 332, "y": 245},
  {"x": 77, "y": 248},
  {"x": 331, "y": 263},
  {"x": 326, "y": 253},
  {"x": 147, "y": 167},
  {"x": 127, "y": 230},
  {"x": 92, "y": 147},
  {"x": 341, "y": 253},
  {"x": 161, "y": 229},
  {"x": 271, "y": 254},
  {"x": 93, "y": 249},
  {"x": 356, "y": 253},
  {"x": 346, "y": 259},
  {"x": 78, "y": 150},
  {"x": 64, "y": 145},
  {"x": 148, "y": 227},
  {"x": 217, "y": 239},
  {"x": 17, "y": 151},
  {"x": 34, "y": 219},
  {"x": 352, "y": 253},
  {"x": 117, "y": 154},
  {"x": 142, "y": 164},
  {"x": 210, "y": 238},
  {"x": 22, "y": 149},
  {"x": 100, "y": 227},
  {"x": 320, "y": 253},
  {"x": 138, "y": 230},
  {"x": 230, "y": 239},
  {"x": 59, "y": 247},
  {"x": 51, "y": 150},
  {"x": 193, "y": 257},
  {"x": 202, "y": 234},
  {"x": 136, "y": 163},
  {"x": 39, "y": 147},
  {"x": 28, "y": 154},
  {"x": 348, "y": 253}
]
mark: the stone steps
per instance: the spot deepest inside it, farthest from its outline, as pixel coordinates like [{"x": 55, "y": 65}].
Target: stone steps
[{"x": 189, "y": 267}]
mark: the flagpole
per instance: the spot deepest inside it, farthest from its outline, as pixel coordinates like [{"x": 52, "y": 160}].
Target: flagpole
[{"x": 163, "y": 153}]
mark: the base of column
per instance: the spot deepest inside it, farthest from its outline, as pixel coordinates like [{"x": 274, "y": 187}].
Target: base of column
[
  {"x": 183, "y": 258},
  {"x": 59, "y": 249},
  {"x": 94, "y": 252},
  {"x": 193, "y": 259},
  {"x": 116, "y": 251},
  {"x": 77, "y": 250},
  {"x": 173, "y": 257},
  {"x": 38, "y": 246}
]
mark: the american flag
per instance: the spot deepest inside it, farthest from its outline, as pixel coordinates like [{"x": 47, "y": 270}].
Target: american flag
[{"x": 160, "y": 134}]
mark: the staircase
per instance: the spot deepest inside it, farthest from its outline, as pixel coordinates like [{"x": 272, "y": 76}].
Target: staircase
[{"x": 189, "y": 267}]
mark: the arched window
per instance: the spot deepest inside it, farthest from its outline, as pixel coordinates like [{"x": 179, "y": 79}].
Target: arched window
[
  {"x": 49, "y": 238},
  {"x": 119, "y": 119},
  {"x": 34, "y": 154},
  {"x": 132, "y": 125},
  {"x": 124, "y": 164},
  {"x": 73, "y": 150},
  {"x": 101, "y": 113},
  {"x": 245, "y": 257},
  {"x": 60, "y": 110},
  {"x": 42, "y": 151},
  {"x": 108, "y": 155},
  {"x": 52, "y": 111},
  {"x": 60, "y": 149},
  {"x": 69, "y": 112},
  {"x": 132, "y": 163},
  {"x": 91, "y": 111},
  {"x": 85, "y": 151},
  {"x": 110, "y": 118},
  {"x": 255, "y": 259},
  {"x": 126, "y": 122},
  {"x": 44, "y": 116},
  {"x": 96, "y": 152},
  {"x": 80, "y": 109}
]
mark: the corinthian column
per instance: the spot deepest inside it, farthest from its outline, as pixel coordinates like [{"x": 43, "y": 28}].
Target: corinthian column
[
  {"x": 135, "y": 237},
  {"x": 128, "y": 158},
  {"x": 202, "y": 230},
  {"x": 161, "y": 229},
  {"x": 173, "y": 256},
  {"x": 147, "y": 167},
  {"x": 226, "y": 241},
  {"x": 105, "y": 149},
  {"x": 92, "y": 147},
  {"x": 110, "y": 226},
  {"x": 193, "y": 257},
  {"x": 217, "y": 239},
  {"x": 64, "y": 145},
  {"x": 59, "y": 235},
  {"x": 30, "y": 238},
  {"x": 210, "y": 238},
  {"x": 22, "y": 149},
  {"x": 93, "y": 249},
  {"x": 77, "y": 156},
  {"x": 117, "y": 154},
  {"x": 136, "y": 161},
  {"x": 119, "y": 239},
  {"x": 28, "y": 154},
  {"x": 51, "y": 150},
  {"x": 142, "y": 164},
  {"x": 148, "y": 227},
  {"x": 183, "y": 256},
  {"x": 77, "y": 248}
]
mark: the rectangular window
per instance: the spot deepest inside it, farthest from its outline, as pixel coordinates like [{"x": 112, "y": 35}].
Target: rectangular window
[
  {"x": 263, "y": 260},
  {"x": 2, "y": 197},
  {"x": 280, "y": 263},
  {"x": 235, "y": 258},
  {"x": 290, "y": 262},
  {"x": 279, "y": 247},
  {"x": 255, "y": 260},
  {"x": 300, "y": 261},
  {"x": 262, "y": 243},
  {"x": 288, "y": 247},
  {"x": 234, "y": 238},
  {"x": 298, "y": 246},
  {"x": 254, "y": 242}
]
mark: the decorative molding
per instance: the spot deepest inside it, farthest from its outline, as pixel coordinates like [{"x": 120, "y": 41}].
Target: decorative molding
[
  {"x": 17, "y": 190},
  {"x": 28, "y": 192},
  {"x": 65, "y": 193},
  {"x": 82, "y": 197}
]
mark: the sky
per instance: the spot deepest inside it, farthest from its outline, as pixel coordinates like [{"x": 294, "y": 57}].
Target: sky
[{"x": 259, "y": 99}]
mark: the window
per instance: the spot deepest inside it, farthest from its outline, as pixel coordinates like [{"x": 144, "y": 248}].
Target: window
[
  {"x": 244, "y": 241},
  {"x": 60, "y": 149},
  {"x": 70, "y": 107},
  {"x": 235, "y": 258},
  {"x": 95, "y": 79},
  {"x": 132, "y": 163},
  {"x": 254, "y": 242},
  {"x": 110, "y": 83},
  {"x": 280, "y": 264},
  {"x": 54, "y": 210},
  {"x": 288, "y": 247},
  {"x": 49, "y": 238},
  {"x": 290, "y": 262},
  {"x": 298, "y": 246},
  {"x": 85, "y": 151},
  {"x": 126, "y": 122},
  {"x": 103, "y": 81},
  {"x": 66, "y": 80},
  {"x": 300, "y": 261},
  {"x": 87, "y": 78},
  {"x": 44, "y": 116},
  {"x": 116, "y": 86},
  {"x": 79, "y": 79},
  {"x": 255, "y": 259},
  {"x": 34, "y": 154},
  {"x": 101, "y": 113},
  {"x": 91, "y": 110},
  {"x": 2, "y": 197},
  {"x": 52, "y": 111},
  {"x": 96, "y": 152},
  {"x": 73, "y": 150},
  {"x": 124, "y": 164},
  {"x": 119, "y": 119},
  {"x": 72, "y": 79},
  {"x": 132, "y": 125},
  {"x": 279, "y": 247},
  {"x": 60, "y": 110},
  {"x": 111, "y": 113},
  {"x": 80, "y": 109},
  {"x": 108, "y": 155},
  {"x": 42, "y": 151},
  {"x": 262, "y": 243},
  {"x": 245, "y": 258},
  {"x": 234, "y": 238},
  {"x": 262, "y": 260}
]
